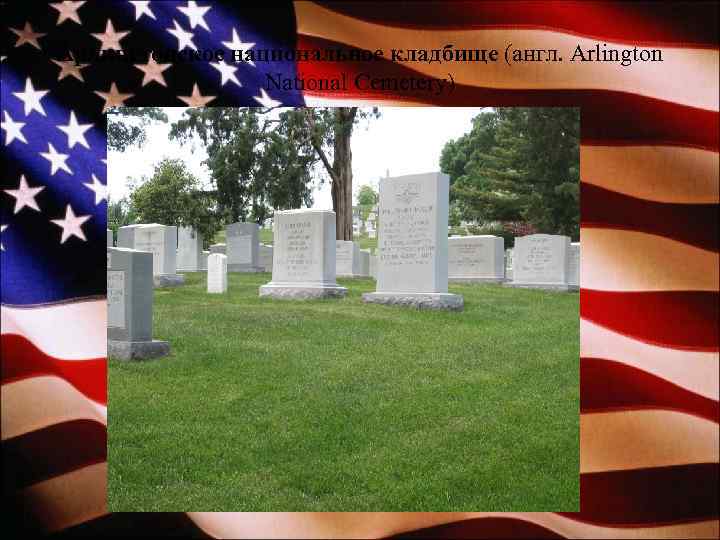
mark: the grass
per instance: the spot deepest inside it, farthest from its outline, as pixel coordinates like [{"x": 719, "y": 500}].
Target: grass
[
  {"x": 366, "y": 242},
  {"x": 336, "y": 405}
]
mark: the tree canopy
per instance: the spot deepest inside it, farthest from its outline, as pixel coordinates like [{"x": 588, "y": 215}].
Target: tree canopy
[
  {"x": 518, "y": 164},
  {"x": 173, "y": 196},
  {"x": 126, "y": 125},
  {"x": 260, "y": 162},
  {"x": 367, "y": 196},
  {"x": 257, "y": 164}
]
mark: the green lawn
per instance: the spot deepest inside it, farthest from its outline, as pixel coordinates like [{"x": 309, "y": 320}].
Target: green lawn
[
  {"x": 335, "y": 405},
  {"x": 366, "y": 243}
]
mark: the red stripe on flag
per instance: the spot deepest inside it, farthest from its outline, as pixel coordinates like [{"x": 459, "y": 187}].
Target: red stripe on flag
[
  {"x": 685, "y": 23},
  {"x": 659, "y": 495},
  {"x": 490, "y": 527},
  {"x": 676, "y": 319},
  {"x": 129, "y": 524},
  {"x": 52, "y": 451},
  {"x": 21, "y": 359},
  {"x": 607, "y": 385},
  {"x": 694, "y": 224},
  {"x": 608, "y": 117}
]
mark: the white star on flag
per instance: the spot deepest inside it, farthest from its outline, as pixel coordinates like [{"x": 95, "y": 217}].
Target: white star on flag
[
  {"x": 31, "y": 98},
  {"x": 13, "y": 130},
  {"x": 98, "y": 188},
  {"x": 196, "y": 99},
  {"x": 265, "y": 100},
  {"x": 227, "y": 72},
  {"x": 113, "y": 98},
  {"x": 68, "y": 68},
  {"x": 142, "y": 8},
  {"x": 153, "y": 71},
  {"x": 71, "y": 225},
  {"x": 110, "y": 39},
  {"x": 67, "y": 11},
  {"x": 236, "y": 44},
  {"x": 27, "y": 35},
  {"x": 184, "y": 38},
  {"x": 75, "y": 132},
  {"x": 57, "y": 160},
  {"x": 196, "y": 14},
  {"x": 24, "y": 195}
]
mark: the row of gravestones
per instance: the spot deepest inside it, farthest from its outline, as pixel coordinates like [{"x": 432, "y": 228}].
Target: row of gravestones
[
  {"x": 416, "y": 260},
  {"x": 244, "y": 252}
]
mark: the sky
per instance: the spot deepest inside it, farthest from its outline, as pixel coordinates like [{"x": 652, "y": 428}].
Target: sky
[{"x": 404, "y": 140}]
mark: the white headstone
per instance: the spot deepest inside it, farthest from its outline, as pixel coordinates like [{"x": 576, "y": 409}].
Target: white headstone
[
  {"x": 574, "y": 265},
  {"x": 217, "y": 273},
  {"x": 347, "y": 257},
  {"x": 303, "y": 256},
  {"x": 219, "y": 248},
  {"x": 190, "y": 244},
  {"x": 161, "y": 241},
  {"x": 541, "y": 261},
  {"x": 476, "y": 259},
  {"x": 413, "y": 243},
  {"x": 243, "y": 247}
]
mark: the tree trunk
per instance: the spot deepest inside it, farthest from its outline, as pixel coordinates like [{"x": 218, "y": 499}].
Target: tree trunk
[
  {"x": 342, "y": 166},
  {"x": 340, "y": 171}
]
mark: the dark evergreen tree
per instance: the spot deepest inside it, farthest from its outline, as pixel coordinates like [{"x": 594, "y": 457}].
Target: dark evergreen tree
[{"x": 518, "y": 164}]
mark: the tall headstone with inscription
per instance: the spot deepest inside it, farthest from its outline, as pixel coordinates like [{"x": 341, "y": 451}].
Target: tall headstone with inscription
[
  {"x": 574, "y": 266},
  {"x": 217, "y": 273},
  {"x": 161, "y": 241},
  {"x": 476, "y": 259},
  {"x": 266, "y": 257},
  {"x": 190, "y": 244},
  {"x": 109, "y": 238},
  {"x": 413, "y": 243},
  {"x": 243, "y": 247},
  {"x": 541, "y": 261},
  {"x": 130, "y": 300},
  {"x": 303, "y": 256},
  {"x": 347, "y": 259}
]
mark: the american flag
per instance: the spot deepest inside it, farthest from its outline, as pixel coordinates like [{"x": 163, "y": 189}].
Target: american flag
[{"x": 649, "y": 210}]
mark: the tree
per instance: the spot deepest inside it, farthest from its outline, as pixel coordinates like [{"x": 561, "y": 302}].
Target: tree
[
  {"x": 257, "y": 163},
  {"x": 518, "y": 164},
  {"x": 331, "y": 128},
  {"x": 260, "y": 162},
  {"x": 120, "y": 213},
  {"x": 367, "y": 196},
  {"x": 173, "y": 197},
  {"x": 126, "y": 125}
]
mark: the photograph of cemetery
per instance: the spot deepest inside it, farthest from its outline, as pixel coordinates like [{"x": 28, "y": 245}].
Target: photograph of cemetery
[{"x": 343, "y": 309}]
